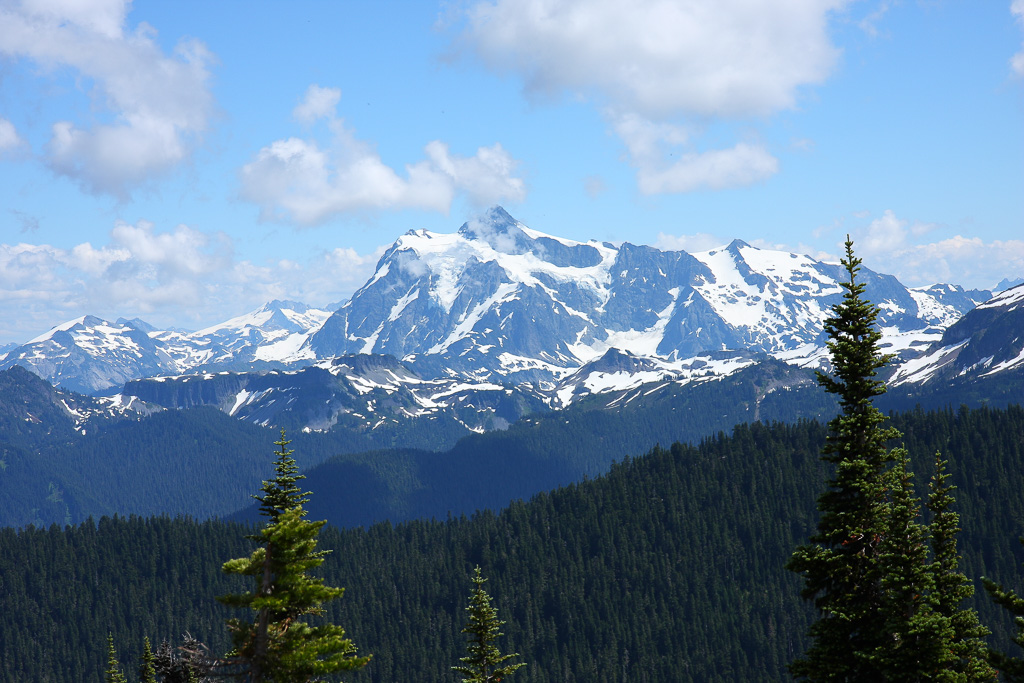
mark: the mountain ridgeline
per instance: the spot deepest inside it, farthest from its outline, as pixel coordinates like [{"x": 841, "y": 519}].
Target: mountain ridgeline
[
  {"x": 667, "y": 569},
  {"x": 500, "y": 304}
]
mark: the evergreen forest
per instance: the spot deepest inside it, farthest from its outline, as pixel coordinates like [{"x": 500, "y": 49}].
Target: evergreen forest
[{"x": 668, "y": 568}]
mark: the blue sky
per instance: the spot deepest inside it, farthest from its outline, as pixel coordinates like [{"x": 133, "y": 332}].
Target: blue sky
[{"x": 185, "y": 162}]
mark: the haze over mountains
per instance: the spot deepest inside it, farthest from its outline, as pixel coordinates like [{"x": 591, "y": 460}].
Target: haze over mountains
[{"x": 497, "y": 319}]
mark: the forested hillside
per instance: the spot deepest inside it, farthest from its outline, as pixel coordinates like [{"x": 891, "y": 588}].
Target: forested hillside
[{"x": 669, "y": 568}]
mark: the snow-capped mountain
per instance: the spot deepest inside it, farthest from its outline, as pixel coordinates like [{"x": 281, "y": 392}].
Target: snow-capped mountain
[
  {"x": 94, "y": 356},
  {"x": 274, "y": 333},
  {"x": 89, "y": 355},
  {"x": 986, "y": 341},
  {"x": 361, "y": 392},
  {"x": 492, "y": 306},
  {"x": 497, "y": 299}
]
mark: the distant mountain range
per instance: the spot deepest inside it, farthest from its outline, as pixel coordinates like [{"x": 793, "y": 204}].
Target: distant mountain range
[{"x": 498, "y": 320}]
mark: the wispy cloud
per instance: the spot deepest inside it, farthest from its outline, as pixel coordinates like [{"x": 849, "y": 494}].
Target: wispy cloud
[
  {"x": 298, "y": 180},
  {"x": 159, "y": 105},
  {"x": 9, "y": 138},
  {"x": 701, "y": 241},
  {"x": 179, "y": 277},
  {"x": 1017, "y": 61}
]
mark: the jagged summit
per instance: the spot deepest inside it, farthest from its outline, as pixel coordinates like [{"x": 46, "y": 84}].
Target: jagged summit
[
  {"x": 498, "y": 297},
  {"x": 499, "y": 302}
]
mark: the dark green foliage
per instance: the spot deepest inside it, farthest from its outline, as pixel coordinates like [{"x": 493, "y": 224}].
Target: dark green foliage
[
  {"x": 113, "y": 674},
  {"x": 482, "y": 663},
  {"x": 1011, "y": 668},
  {"x": 841, "y": 565},
  {"x": 666, "y": 570},
  {"x": 540, "y": 453},
  {"x": 969, "y": 655},
  {"x": 275, "y": 645},
  {"x": 203, "y": 463},
  {"x": 147, "y": 664},
  {"x": 915, "y": 642},
  {"x": 887, "y": 610}
]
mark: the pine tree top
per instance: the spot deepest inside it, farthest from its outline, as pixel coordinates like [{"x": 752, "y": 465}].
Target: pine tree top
[{"x": 281, "y": 493}]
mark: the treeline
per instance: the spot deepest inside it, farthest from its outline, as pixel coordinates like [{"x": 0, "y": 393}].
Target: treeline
[
  {"x": 669, "y": 568},
  {"x": 540, "y": 453}
]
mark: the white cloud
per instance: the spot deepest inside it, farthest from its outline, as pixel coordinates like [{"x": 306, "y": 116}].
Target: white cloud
[
  {"x": 659, "y": 58},
  {"x": 715, "y": 170},
  {"x": 701, "y": 241},
  {"x": 296, "y": 180},
  {"x": 177, "y": 278},
  {"x": 1017, "y": 61},
  {"x": 891, "y": 245},
  {"x": 652, "y": 61},
  {"x": 317, "y": 103},
  {"x": 157, "y": 105},
  {"x": 869, "y": 24},
  {"x": 648, "y": 144},
  {"x": 9, "y": 138}
]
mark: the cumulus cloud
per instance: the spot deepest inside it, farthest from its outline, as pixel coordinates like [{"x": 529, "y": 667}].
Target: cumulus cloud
[
  {"x": 297, "y": 180},
  {"x": 176, "y": 278},
  {"x": 648, "y": 144},
  {"x": 1017, "y": 61},
  {"x": 893, "y": 245},
  {"x": 656, "y": 61},
  {"x": 158, "y": 105},
  {"x": 658, "y": 58}
]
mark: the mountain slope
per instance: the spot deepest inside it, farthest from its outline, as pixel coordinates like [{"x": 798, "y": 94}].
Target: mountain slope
[
  {"x": 94, "y": 356},
  {"x": 670, "y": 569},
  {"x": 498, "y": 303},
  {"x": 499, "y": 299},
  {"x": 987, "y": 341}
]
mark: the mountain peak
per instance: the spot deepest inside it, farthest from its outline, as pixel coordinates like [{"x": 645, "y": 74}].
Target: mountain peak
[
  {"x": 498, "y": 229},
  {"x": 284, "y": 304}
]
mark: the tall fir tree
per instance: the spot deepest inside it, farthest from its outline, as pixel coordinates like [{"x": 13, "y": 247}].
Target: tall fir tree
[
  {"x": 482, "y": 664},
  {"x": 841, "y": 565},
  {"x": 969, "y": 654},
  {"x": 276, "y": 645}
]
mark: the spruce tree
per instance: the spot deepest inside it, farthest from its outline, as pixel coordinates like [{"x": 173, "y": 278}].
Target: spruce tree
[
  {"x": 482, "y": 664},
  {"x": 969, "y": 661},
  {"x": 113, "y": 673},
  {"x": 147, "y": 667},
  {"x": 841, "y": 565},
  {"x": 276, "y": 645},
  {"x": 916, "y": 641}
]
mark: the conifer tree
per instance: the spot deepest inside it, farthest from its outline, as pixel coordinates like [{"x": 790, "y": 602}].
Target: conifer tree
[
  {"x": 113, "y": 673},
  {"x": 483, "y": 662},
  {"x": 916, "y": 641},
  {"x": 1011, "y": 668},
  {"x": 969, "y": 653},
  {"x": 841, "y": 564},
  {"x": 276, "y": 646},
  {"x": 147, "y": 667}
]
